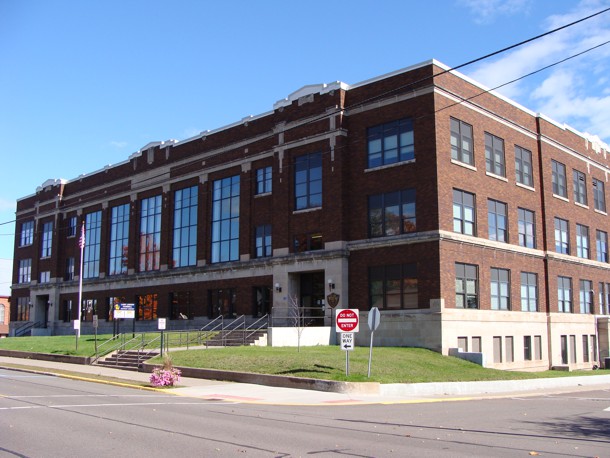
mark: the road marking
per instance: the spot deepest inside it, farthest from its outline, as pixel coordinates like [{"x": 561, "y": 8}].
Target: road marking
[{"x": 69, "y": 406}]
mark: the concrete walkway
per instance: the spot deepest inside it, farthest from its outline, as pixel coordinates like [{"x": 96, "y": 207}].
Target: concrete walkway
[{"x": 262, "y": 394}]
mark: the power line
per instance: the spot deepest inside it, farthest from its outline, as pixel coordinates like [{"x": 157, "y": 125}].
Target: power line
[{"x": 410, "y": 84}]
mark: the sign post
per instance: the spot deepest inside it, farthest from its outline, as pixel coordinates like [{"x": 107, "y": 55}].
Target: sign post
[
  {"x": 161, "y": 326},
  {"x": 347, "y": 322},
  {"x": 374, "y": 320},
  {"x": 95, "y": 325}
]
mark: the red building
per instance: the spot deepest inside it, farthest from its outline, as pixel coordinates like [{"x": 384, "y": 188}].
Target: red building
[{"x": 468, "y": 220}]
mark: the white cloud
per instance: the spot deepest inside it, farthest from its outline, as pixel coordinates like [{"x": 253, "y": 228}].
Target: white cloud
[
  {"x": 7, "y": 205},
  {"x": 6, "y": 272},
  {"x": 573, "y": 92},
  {"x": 486, "y": 11},
  {"x": 119, "y": 145}
]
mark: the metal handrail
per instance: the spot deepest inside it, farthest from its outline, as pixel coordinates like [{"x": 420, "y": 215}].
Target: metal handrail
[
  {"x": 21, "y": 330},
  {"x": 256, "y": 327}
]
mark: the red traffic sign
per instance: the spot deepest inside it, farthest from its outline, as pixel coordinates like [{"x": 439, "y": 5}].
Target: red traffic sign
[{"x": 347, "y": 320}]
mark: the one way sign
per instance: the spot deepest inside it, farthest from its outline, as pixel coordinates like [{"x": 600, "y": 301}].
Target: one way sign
[{"x": 347, "y": 341}]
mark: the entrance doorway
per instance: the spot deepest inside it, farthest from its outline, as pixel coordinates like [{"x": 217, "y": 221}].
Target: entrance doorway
[{"x": 312, "y": 298}]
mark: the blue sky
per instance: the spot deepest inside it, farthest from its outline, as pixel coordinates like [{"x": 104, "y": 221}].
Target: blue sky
[{"x": 84, "y": 84}]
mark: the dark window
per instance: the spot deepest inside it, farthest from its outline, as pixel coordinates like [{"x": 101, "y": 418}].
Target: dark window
[
  {"x": 463, "y": 212},
  {"x": 150, "y": 234},
  {"x": 580, "y": 187},
  {"x": 263, "y": 241},
  {"x": 69, "y": 269},
  {"x": 559, "y": 179},
  {"x": 119, "y": 240},
  {"x": 599, "y": 196},
  {"x": 147, "y": 307},
  {"x": 466, "y": 286},
  {"x": 308, "y": 242},
  {"x": 25, "y": 271},
  {"x": 562, "y": 236},
  {"x": 496, "y": 219},
  {"x": 527, "y": 228},
  {"x": 47, "y": 240},
  {"x": 27, "y": 233},
  {"x": 500, "y": 289},
  {"x": 392, "y": 213},
  {"x": 527, "y": 348},
  {"x": 308, "y": 181},
  {"x": 225, "y": 220},
  {"x": 390, "y": 143},
  {"x": 72, "y": 226},
  {"x": 461, "y": 142},
  {"x": 93, "y": 234},
  {"x": 494, "y": 155},
  {"x": 180, "y": 305},
  {"x": 523, "y": 166},
  {"x": 185, "y": 227},
  {"x": 393, "y": 286},
  {"x": 263, "y": 180}
]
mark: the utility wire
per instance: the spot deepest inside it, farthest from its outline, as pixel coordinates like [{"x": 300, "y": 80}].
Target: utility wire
[{"x": 413, "y": 83}]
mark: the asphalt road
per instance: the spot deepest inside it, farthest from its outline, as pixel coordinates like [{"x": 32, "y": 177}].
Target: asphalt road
[{"x": 44, "y": 416}]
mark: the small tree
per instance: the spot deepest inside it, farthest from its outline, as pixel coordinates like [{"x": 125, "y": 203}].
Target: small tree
[{"x": 295, "y": 317}]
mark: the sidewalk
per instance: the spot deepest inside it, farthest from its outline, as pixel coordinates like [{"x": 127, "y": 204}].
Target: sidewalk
[{"x": 261, "y": 394}]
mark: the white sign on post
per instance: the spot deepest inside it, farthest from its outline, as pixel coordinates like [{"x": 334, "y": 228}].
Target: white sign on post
[
  {"x": 161, "y": 323},
  {"x": 347, "y": 341}
]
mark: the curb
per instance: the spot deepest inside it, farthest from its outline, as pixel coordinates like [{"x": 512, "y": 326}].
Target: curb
[{"x": 278, "y": 381}]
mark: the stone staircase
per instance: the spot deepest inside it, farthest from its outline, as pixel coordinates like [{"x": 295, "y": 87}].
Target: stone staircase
[
  {"x": 129, "y": 360},
  {"x": 238, "y": 337}
]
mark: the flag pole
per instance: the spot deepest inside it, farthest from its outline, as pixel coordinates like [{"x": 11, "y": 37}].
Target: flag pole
[{"x": 81, "y": 244}]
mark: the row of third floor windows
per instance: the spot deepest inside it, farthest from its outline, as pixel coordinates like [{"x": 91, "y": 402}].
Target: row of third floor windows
[
  {"x": 465, "y": 222},
  {"x": 462, "y": 151}
]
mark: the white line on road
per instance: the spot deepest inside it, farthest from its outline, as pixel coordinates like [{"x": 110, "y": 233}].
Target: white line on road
[{"x": 68, "y": 406}]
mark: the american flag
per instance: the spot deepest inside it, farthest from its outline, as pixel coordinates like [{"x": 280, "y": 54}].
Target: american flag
[{"x": 81, "y": 240}]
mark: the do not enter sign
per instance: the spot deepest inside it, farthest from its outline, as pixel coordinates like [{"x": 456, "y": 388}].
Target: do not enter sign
[{"x": 347, "y": 320}]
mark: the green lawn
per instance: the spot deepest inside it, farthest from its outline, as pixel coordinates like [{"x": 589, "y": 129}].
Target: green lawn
[{"x": 389, "y": 365}]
